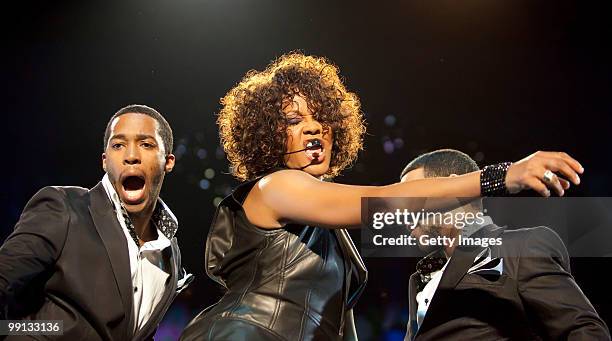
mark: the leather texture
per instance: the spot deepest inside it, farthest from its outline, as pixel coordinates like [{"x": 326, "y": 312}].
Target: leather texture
[{"x": 291, "y": 283}]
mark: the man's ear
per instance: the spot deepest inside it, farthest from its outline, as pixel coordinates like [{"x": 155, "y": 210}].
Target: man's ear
[
  {"x": 104, "y": 161},
  {"x": 170, "y": 160}
]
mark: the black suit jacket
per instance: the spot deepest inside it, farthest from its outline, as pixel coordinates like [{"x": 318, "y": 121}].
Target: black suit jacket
[
  {"x": 68, "y": 259},
  {"x": 534, "y": 298}
]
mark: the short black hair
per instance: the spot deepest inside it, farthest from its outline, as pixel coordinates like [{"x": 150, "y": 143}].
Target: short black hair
[
  {"x": 165, "y": 132},
  {"x": 442, "y": 163}
]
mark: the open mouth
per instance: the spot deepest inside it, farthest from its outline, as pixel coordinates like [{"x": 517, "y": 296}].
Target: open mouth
[
  {"x": 133, "y": 188},
  {"x": 314, "y": 149}
]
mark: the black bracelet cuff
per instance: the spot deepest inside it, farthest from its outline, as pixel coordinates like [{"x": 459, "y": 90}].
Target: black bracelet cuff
[{"x": 493, "y": 180}]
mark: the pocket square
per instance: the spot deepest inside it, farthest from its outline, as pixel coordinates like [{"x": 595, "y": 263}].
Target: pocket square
[
  {"x": 493, "y": 268},
  {"x": 486, "y": 265}
]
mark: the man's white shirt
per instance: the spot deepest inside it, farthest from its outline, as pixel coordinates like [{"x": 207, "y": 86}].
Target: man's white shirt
[{"x": 148, "y": 279}]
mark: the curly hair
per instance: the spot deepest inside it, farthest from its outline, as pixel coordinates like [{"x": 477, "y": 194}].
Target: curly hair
[{"x": 252, "y": 125}]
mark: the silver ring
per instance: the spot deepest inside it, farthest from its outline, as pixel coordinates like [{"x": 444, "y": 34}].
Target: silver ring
[{"x": 548, "y": 176}]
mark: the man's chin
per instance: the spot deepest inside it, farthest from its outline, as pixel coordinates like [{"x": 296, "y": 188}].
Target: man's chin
[{"x": 135, "y": 207}]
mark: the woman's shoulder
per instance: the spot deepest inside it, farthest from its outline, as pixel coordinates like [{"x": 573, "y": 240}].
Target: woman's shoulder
[
  {"x": 284, "y": 179},
  {"x": 240, "y": 192}
]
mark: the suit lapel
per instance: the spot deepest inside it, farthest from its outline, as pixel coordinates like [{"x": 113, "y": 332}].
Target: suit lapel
[
  {"x": 458, "y": 265},
  {"x": 463, "y": 258},
  {"x": 461, "y": 261},
  {"x": 115, "y": 243},
  {"x": 412, "y": 305}
]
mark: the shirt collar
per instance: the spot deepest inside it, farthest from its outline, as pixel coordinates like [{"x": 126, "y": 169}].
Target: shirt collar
[{"x": 162, "y": 216}]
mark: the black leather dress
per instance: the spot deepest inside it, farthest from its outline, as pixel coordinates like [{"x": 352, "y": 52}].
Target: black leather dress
[{"x": 291, "y": 283}]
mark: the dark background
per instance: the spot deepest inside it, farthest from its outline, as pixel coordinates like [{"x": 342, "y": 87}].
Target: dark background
[{"x": 496, "y": 79}]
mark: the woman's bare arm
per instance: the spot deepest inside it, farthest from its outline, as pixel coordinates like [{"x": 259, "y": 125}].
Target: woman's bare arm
[{"x": 295, "y": 196}]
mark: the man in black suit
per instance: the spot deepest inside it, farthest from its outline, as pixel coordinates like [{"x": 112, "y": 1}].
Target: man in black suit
[
  {"x": 104, "y": 261},
  {"x": 519, "y": 289}
]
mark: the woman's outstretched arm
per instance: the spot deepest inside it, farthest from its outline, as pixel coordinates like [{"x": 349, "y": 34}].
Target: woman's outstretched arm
[{"x": 295, "y": 196}]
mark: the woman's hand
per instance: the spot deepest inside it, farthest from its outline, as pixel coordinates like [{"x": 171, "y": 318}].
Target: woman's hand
[{"x": 530, "y": 173}]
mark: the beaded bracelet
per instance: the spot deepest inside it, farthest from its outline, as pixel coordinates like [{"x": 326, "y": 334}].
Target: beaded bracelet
[{"x": 493, "y": 180}]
